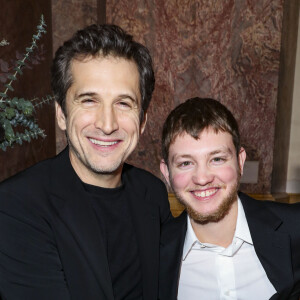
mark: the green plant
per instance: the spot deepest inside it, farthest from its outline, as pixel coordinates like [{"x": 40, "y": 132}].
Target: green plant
[{"x": 17, "y": 122}]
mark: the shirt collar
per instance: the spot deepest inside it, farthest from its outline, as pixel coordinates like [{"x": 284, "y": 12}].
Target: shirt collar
[
  {"x": 242, "y": 231},
  {"x": 190, "y": 239}
]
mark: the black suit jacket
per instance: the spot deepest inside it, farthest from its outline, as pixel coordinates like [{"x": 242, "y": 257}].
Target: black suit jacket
[
  {"x": 275, "y": 231},
  {"x": 50, "y": 243}
]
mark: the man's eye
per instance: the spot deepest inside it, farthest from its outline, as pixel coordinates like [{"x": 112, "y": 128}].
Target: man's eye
[
  {"x": 184, "y": 164},
  {"x": 124, "y": 104},
  {"x": 218, "y": 159},
  {"x": 87, "y": 101}
]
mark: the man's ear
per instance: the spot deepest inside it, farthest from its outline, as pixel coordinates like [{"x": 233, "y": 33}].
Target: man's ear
[
  {"x": 60, "y": 117},
  {"x": 241, "y": 159},
  {"x": 143, "y": 123},
  {"x": 165, "y": 171}
]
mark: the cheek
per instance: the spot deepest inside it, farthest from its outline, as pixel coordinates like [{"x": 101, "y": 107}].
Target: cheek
[
  {"x": 228, "y": 174},
  {"x": 180, "y": 180},
  {"x": 131, "y": 124},
  {"x": 79, "y": 119}
]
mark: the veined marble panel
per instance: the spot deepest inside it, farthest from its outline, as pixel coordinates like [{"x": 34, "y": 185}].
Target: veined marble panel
[{"x": 225, "y": 49}]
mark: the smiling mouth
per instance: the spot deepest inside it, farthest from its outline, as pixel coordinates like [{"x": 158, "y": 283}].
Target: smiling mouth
[
  {"x": 103, "y": 143},
  {"x": 206, "y": 193}
]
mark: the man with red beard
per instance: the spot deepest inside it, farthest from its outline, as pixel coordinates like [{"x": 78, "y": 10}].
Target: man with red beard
[{"x": 225, "y": 245}]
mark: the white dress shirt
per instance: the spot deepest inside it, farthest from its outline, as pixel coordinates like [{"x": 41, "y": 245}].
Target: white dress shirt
[{"x": 212, "y": 272}]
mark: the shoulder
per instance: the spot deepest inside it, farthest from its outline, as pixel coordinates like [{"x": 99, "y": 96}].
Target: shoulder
[
  {"x": 151, "y": 188},
  {"x": 24, "y": 206},
  {"x": 28, "y": 190},
  {"x": 279, "y": 209},
  {"x": 285, "y": 217},
  {"x": 29, "y": 179},
  {"x": 290, "y": 216},
  {"x": 34, "y": 178}
]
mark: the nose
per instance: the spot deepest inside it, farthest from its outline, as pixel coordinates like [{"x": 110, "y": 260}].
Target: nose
[
  {"x": 202, "y": 176},
  {"x": 106, "y": 120}
]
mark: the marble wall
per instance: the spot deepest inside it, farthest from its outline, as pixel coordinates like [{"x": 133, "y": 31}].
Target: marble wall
[
  {"x": 68, "y": 16},
  {"x": 225, "y": 49}
]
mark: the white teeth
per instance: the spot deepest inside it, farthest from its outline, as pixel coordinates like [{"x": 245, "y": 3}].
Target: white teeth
[
  {"x": 102, "y": 143},
  {"x": 206, "y": 193}
]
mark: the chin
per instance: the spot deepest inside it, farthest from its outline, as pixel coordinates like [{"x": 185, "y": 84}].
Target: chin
[
  {"x": 105, "y": 169},
  {"x": 216, "y": 215}
]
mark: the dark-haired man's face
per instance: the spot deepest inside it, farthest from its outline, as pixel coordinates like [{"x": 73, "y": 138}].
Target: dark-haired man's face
[
  {"x": 205, "y": 174},
  {"x": 102, "y": 120}
]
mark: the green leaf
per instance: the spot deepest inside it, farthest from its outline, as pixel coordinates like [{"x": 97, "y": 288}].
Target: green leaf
[
  {"x": 9, "y": 87},
  {"x": 9, "y": 132},
  {"x": 12, "y": 77},
  {"x": 13, "y": 102},
  {"x": 19, "y": 141},
  {"x": 27, "y": 108},
  {"x": 18, "y": 69},
  {"x": 3, "y": 147},
  {"x": 20, "y": 63},
  {"x": 27, "y": 136},
  {"x": 10, "y": 113}
]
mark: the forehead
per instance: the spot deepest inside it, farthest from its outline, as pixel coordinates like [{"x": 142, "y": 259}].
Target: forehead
[
  {"x": 208, "y": 142},
  {"x": 102, "y": 63},
  {"x": 102, "y": 75}
]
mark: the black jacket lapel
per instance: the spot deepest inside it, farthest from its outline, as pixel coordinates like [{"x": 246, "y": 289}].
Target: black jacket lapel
[
  {"x": 271, "y": 245},
  {"x": 171, "y": 248},
  {"x": 74, "y": 209},
  {"x": 146, "y": 221}
]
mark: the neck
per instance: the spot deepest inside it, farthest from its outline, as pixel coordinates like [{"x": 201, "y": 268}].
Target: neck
[{"x": 218, "y": 233}]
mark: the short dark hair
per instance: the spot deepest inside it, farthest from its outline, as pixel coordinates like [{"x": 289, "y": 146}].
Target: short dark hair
[
  {"x": 101, "y": 40},
  {"x": 195, "y": 115}
]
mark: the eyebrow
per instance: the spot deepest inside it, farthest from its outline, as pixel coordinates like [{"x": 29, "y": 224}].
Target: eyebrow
[
  {"x": 92, "y": 94},
  {"x": 224, "y": 150},
  {"x": 128, "y": 96},
  {"x": 180, "y": 156},
  {"x": 89, "y": 94}
]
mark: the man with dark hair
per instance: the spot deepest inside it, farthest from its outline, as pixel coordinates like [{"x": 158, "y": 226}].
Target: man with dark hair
[
  {"x": 225, "y": 245},
  {"x": 85, "y": 225}
]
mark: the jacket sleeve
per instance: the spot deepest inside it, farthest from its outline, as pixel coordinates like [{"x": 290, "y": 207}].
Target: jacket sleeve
[{"x": 30, "y": 266}]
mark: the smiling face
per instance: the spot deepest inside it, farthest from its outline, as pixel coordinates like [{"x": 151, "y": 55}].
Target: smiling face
[
  {"x": 204, "y": 174},
  {"x": 102, "y": 117}
]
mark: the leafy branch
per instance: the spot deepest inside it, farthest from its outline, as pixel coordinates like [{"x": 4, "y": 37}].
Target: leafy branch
[{"x": 19, "y": 112}]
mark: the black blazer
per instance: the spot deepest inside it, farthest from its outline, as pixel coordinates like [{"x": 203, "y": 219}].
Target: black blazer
[
  {"x": 50, "y": 244},
  {"x": 275, "y": 231}
]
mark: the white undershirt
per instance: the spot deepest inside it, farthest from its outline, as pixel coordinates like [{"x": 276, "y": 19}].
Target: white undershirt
[{"x": 212, "y": 272}]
